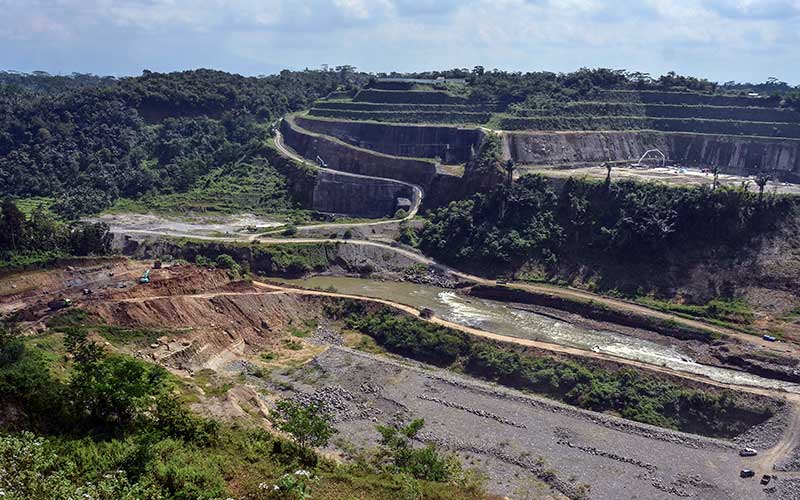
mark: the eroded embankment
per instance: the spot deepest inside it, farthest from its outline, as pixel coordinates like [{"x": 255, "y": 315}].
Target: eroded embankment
[
  {"x": 285, "y": 259},
  {"x": 734, "y": 155}
]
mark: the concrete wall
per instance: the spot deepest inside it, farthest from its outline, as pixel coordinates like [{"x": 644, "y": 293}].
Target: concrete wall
[
  {"x": 736, "y": 155},
  {"x": 451, "y": 144},
  {"x": 357, "y": 196},
  {"x": 357, "y": 161}
]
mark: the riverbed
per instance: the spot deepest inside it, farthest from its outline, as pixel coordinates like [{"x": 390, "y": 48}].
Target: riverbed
[{"x": 505, "y": 319}]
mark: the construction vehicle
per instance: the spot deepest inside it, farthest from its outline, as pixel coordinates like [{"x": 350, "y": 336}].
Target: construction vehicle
[
  {"x": 426, "y": 313},
  {"x": 145, "y": 278},
  {"x": 59, "y": 304}
]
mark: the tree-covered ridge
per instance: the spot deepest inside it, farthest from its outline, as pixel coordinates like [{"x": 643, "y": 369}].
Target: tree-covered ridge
[
  {"x": 154, "y": 134},
  {"x": 516, "y": 86},
  {"x": 43, "y": 82},
  {"x": 623, "y": 221}
]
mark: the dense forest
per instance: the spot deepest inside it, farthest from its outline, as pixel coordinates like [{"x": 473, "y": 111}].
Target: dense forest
[
  {"x": 506, "y": 87},
  {"x": 41, "y": 237},
  {"x": 623, "y": 221},
  {"x": 90, "y": 143}
]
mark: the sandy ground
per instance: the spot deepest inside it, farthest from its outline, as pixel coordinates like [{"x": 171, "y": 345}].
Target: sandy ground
[
  {"x": 218, "y": 225},
  {"x": 670, "y": 175}
]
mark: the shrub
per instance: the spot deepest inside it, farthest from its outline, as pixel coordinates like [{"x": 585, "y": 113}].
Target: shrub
[{"x": 309, "y": 424}]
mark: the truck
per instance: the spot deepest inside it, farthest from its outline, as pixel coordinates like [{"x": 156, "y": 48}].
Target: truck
[
  {"x": 769, "y": 338},
  {"x": 61, "y": 303}
]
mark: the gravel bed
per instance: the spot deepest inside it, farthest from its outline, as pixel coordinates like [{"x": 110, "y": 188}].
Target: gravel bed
[
  {"x": 325, "y": 335},
  {"x": 516, "y": 438},
  {"x": 783, "y": 489},
  {"x": 790, "y": 463},
  {"x": 768, "y": 433}
]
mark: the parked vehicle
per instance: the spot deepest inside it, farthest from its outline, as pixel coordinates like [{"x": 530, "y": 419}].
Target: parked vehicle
[
  {"x": 59, "y": 304},
  {"x": 748, "y": 452},
  {"x": 426, "y": 313},
  {"x": 769, "y": 338},
  {"x": 747, "y": 473},
  {"x": 765, "y": 479}
]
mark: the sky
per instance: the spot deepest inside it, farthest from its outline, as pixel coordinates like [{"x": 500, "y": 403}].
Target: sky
[{"x": 742, "y": 40}]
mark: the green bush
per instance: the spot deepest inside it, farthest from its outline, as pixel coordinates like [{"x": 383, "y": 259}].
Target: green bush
[{"x": 629, "y": 393}]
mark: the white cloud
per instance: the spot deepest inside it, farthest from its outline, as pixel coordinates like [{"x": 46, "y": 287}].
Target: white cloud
[{"x": 721, "y": 39}]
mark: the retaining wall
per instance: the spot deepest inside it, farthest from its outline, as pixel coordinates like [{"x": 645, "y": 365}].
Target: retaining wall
[
  {"x": 451, "y": 144},
  {"x": 354, "y": 160}
]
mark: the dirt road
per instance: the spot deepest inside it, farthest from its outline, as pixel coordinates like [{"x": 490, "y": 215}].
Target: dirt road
[{"x": 556, "y": 291}]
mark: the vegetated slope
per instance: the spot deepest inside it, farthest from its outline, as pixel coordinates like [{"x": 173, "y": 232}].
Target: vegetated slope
[
  {"x": 146, "y": 136},
  {"x": 634, "y": 237},
  {"x": 81, "y": 420}
]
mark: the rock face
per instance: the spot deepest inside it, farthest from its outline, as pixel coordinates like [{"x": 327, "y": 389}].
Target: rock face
[
  {"x": 366, "y": 197},
  {"x": 734, "y": 154},
  {"x": 358, "y": 196},
  {"x": 450, "y": 144},
  {"x": 342, "y": 157}
]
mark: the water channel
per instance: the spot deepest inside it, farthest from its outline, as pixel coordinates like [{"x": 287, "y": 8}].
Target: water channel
[{"x": 505, "y": 319}]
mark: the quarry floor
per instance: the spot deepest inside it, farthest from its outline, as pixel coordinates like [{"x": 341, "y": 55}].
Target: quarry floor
[
  {"x": 669, "y": 175},
  {"x": 530, "y": 447}
]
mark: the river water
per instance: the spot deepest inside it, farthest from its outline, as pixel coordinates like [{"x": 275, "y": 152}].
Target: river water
[{"x": 505, "y": 319}]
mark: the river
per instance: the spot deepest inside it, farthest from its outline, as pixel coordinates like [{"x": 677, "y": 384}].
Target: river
[{"x": 505, "y": 319}]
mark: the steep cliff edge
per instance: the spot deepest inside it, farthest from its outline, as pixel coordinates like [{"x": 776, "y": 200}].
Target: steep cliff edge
[{"x": 734, "y": 154}]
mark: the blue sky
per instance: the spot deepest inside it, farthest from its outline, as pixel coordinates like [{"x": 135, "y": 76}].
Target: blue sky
[{"x": 744, "y": 40}]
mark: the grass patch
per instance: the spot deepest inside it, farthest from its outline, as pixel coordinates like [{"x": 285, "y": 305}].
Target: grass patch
[
  {"x": 727, "y": 313},
  {"x": 292, "y": 345}
]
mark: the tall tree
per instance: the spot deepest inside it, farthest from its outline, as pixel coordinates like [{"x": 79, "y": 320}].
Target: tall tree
[
  {"x": 761, "y": 181},
  {"x": 12, "y": 225}
]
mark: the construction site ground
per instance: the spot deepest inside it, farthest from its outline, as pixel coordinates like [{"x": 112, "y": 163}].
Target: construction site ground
[
  {"x": 268, "y": 341},
  {"x": 683, "y": 176}
]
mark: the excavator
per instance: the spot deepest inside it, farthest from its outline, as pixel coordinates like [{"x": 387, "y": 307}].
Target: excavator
[{"x": 145, "y": 278}]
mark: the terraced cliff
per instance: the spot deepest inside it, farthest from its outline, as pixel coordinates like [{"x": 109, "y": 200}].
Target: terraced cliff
[
  {"x": 735, "y": 155},
  {"x": 449, "y": 144}
]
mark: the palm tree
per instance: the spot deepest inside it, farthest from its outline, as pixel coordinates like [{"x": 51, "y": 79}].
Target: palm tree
[
  {"x": 761, "y": 181},
  {"x": 715, "y": 171},
  {"x": 510, "y": 167}
]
